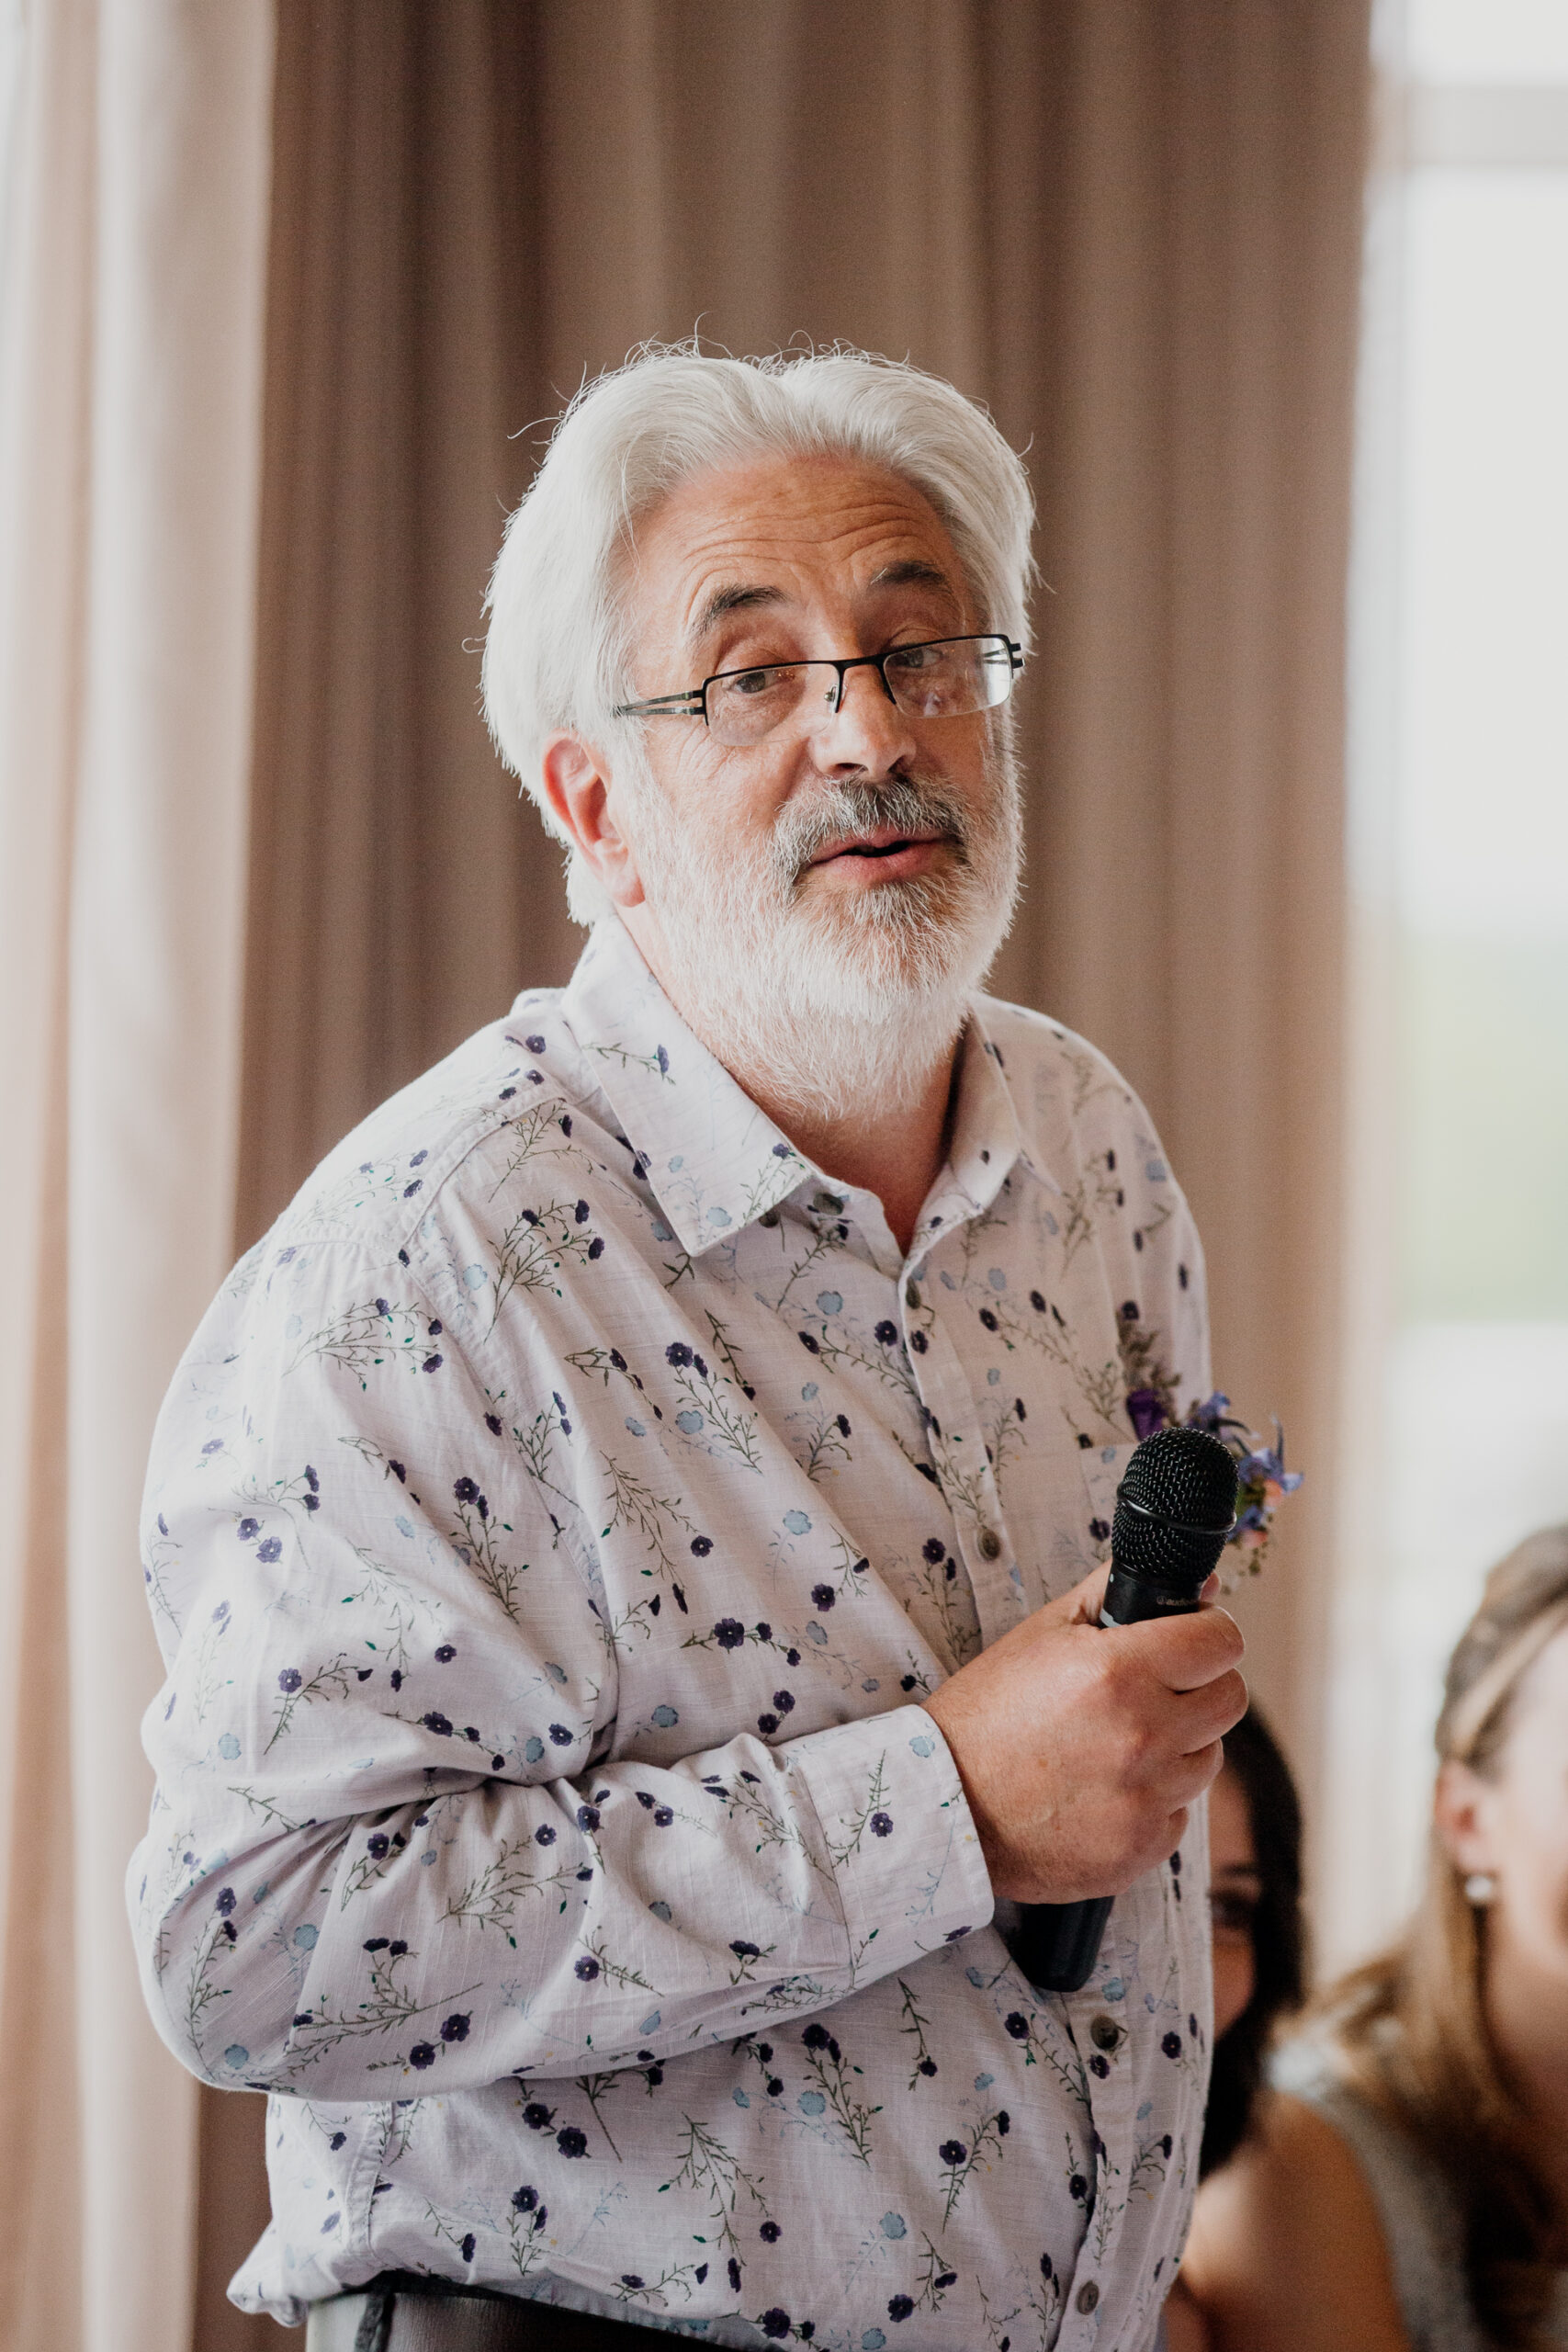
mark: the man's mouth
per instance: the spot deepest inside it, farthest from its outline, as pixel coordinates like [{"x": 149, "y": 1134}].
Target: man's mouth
[{"x": 883, "y": 845}]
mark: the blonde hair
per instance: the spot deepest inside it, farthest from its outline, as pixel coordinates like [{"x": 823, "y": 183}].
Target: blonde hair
[{"x": 1410, "y": 2027}]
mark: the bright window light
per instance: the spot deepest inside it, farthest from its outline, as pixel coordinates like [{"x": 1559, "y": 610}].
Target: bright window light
[{"x": 1458, "y": 1440}]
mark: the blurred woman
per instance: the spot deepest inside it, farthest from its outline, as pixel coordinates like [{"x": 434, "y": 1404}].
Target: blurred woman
[
  {"x": 1255, "y": 1901},
  {"x": 1407, "y": 2189},
  {"x": 1255, "y": 1890}
]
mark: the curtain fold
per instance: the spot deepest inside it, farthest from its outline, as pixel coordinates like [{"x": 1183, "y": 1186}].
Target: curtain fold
[{"x": 133, "y": 276}]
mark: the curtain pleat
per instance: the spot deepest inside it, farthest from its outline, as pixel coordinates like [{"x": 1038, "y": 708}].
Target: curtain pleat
[
  {"x": 1132, "y": 226},
  {"x": 132, "y": 284}
]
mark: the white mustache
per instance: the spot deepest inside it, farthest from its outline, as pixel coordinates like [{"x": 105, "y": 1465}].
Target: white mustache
[{"x": 845, "y": 811}]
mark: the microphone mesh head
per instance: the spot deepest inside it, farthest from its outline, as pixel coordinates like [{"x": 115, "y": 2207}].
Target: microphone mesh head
[{"x": 1185, "y": 1481}]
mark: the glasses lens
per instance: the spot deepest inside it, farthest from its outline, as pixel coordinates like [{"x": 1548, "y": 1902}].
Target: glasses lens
[
  {"x": 747, "y": 704},
  {"x": 951, "y": 679}
]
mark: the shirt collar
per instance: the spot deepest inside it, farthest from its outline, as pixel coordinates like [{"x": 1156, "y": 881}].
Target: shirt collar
[
  {"x": 988, "y": 1140},
  {"x": 713, "y": 1158}
]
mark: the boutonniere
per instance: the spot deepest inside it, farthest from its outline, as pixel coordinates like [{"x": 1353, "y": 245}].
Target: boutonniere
[{"x": 1262, "y": 1479}]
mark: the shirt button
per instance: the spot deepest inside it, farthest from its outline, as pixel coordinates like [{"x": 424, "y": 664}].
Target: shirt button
[
  {"x": 1104, "y": 2032},
  {"x": 991, "y": 1544},
  {"x": 1088, "y": 2296},
  {"x": 911, "y": 1294}
]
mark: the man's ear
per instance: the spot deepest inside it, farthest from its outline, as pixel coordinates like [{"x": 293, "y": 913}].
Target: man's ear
[
  {"x": 577, "y": 785},
  {"x": 1462, "y": 1811}
]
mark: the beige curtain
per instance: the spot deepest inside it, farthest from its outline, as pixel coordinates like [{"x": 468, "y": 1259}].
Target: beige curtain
[
  {"x": 131, "y": 303},
  {"x": 1130, "y": 225}
]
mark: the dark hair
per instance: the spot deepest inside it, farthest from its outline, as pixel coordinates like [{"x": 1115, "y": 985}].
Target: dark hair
[{"x": 1279, "y": 1936}]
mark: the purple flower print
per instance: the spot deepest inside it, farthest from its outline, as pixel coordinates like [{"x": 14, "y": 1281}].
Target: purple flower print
[{"x": 1144, "y": 1411}]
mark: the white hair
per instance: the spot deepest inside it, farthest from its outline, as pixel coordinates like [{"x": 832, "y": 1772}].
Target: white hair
[{"x": 556, "y": 653}]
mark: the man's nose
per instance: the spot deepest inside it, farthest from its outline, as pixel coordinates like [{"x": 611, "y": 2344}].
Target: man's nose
[{"x": 868, "y": 732}]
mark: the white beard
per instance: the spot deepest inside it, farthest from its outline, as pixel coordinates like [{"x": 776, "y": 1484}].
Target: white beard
[{"x": 824, "y": 1003}]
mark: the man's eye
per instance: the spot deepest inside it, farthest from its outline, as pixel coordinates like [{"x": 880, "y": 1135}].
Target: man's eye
[
  {"x": 747, "y": 684},
  {"x": 909, "y": 659}
]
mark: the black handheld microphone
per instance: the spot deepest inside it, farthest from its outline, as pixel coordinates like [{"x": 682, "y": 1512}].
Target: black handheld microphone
[{"x": 1175, "y": 1507}]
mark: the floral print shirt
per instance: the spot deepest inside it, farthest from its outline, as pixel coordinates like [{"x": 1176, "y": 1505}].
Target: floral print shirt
[{"x": 552, "y": 1533}]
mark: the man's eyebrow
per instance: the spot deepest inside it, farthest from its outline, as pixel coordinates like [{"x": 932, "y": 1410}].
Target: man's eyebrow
[
  {"x": 735, "y": 599},
  {"x": 914, "y": 571}
]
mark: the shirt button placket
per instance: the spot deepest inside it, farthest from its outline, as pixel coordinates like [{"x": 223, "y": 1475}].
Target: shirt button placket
[{"x": 969, "y": 1487}]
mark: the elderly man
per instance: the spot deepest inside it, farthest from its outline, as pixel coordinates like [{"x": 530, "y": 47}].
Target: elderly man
[{"x": 627, "y": 1542}]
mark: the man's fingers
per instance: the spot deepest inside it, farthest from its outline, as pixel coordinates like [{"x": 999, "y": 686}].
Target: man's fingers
[
  {"x": 1186, "y": 1652},
  {"x": 1208, "y": 1712},
  {"x": 1187, "y": 1779},
  {"x": 1086, "y": 1600}
]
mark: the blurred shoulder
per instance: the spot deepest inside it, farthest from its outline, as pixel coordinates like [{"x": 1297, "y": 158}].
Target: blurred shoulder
[{"x": 1286, "y": 2252}]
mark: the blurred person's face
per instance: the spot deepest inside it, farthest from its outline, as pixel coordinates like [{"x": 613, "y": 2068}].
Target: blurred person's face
[
  {"x": 1235, "y": 1884},
  {"x": 1512, "y": 1822},
  {"x": 852, "y": 871}
]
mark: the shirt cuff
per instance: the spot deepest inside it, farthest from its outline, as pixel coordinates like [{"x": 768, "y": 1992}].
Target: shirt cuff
[{"x": 899, "y": 1833}]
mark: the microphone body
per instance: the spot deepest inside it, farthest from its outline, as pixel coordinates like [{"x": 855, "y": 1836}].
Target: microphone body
[{"x": 1175, "y": 1510}]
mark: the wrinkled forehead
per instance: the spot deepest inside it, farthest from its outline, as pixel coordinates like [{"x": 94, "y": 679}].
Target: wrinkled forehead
[{"x": 806, "y": 535}]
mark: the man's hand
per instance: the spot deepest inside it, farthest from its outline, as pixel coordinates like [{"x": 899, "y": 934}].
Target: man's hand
[{"x": 1081, "y": 1747}]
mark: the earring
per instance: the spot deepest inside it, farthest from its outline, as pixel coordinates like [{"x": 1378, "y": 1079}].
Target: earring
[{"x": 1480, "y": 1888}]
